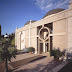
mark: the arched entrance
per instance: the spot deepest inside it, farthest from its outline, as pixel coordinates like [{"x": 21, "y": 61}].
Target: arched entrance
[
  {"x": 44, "y": 39},
  {"x": 22, "y": 40}
]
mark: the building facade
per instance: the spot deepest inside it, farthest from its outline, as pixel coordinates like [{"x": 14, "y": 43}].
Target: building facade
[{"x": 53, "y": 31}]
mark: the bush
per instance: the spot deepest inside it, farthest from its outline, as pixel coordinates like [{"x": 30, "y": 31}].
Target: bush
[
  {"x": 31, "y": 49},
  {"x": 13, "y": 41},
  {"x": 8, "y": 51},
  {"x": 56, "y": 53}
]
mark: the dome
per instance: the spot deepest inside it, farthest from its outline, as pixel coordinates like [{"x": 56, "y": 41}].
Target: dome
[
  {"x": 54, "y": 11},
  {"x": 29, "y": 22}
]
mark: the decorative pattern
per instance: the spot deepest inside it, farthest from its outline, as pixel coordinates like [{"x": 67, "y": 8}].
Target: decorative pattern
[{"x": 44, "y": 38}]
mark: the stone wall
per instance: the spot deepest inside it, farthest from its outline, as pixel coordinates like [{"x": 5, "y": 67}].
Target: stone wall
[{"x": 59, "y": 34}]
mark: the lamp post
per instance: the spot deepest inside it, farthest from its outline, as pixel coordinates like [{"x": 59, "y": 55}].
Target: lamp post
[{"x": 6, "y": 46}]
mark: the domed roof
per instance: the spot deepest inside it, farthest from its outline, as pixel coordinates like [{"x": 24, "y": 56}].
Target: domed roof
[
  {"x": 54, "y": 11},
  {"x": 29, "y": 22}
]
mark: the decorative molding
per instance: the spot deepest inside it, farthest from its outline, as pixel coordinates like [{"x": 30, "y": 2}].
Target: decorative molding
[
  {"x": 48, "y": 32},
  {"x": 57, "y": 34}
]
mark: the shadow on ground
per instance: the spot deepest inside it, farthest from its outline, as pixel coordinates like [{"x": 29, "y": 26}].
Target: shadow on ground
[
  {"x": 25, "y": 61},
  {"x": 20, "y": 63},
  {"x": 42, "y": 68}
]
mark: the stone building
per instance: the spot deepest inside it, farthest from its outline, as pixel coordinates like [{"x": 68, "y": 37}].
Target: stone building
[{"x": 53, "y": 31}]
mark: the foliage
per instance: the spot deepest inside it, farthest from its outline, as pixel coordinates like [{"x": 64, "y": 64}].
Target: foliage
[
  {"x": 56, "y": 53},
  {"x": 8, "y": 52},
  {"x": 3, "y": 40},
  {"x": 31, "y": 49},
  {"x": 0, "y": 59},
  {"x": 13, "y": 41},
  {"x": 11, "y": 37}
]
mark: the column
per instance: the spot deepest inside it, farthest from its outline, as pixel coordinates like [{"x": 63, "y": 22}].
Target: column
[
  {"x": 29, "y": 34},
  {"x": 44, "y": 47}
]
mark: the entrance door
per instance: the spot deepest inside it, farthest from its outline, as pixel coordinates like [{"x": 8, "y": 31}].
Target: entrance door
[{"x": 41, "y": 47}]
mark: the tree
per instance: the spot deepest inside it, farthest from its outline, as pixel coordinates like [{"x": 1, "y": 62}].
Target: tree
[
  {"x": 13, "y": 41},
  {"x": 6, "y": 53},
  {"x": 11, "y": 36},
  {"x": 3, "y": 39}
]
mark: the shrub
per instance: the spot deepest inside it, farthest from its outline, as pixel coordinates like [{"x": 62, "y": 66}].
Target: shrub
[
  {"x": 10, "y": 52},
  {"x": 31, "y": 49},
  {"x": 13, "y": 41},
  {"x": 56, "y": 53}
]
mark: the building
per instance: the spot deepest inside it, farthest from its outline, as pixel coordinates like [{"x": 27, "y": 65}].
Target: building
[{"x": 53, "y": 31}]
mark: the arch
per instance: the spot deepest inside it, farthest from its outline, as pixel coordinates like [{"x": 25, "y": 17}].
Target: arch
[{"x": 48, "y": 30}]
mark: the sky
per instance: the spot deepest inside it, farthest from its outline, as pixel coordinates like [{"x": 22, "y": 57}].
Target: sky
[{"x": 15, "y": 13}]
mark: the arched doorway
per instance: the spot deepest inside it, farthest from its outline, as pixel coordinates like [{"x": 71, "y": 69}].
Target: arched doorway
[
  {"x": 44, "y": 39},
  {"x": 22, "y": 40}
]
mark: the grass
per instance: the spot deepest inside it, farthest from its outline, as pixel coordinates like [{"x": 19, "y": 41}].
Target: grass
[{"x": 67, "y": 68}]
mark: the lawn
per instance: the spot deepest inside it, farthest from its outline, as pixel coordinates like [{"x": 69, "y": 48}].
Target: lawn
[{"x": 67, "y": 68}]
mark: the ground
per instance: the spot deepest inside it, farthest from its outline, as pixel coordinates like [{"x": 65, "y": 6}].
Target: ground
[
  {"x": 2, "y": 67},
  {"x": 40, "y": 65},
  {"x": 32, "y": 63},
  {"x": 67, "y": 68}
]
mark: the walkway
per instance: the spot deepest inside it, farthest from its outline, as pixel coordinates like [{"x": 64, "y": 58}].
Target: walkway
[
  {"x": 41, "y": 65},
  {"x": 36, "y": 63}
]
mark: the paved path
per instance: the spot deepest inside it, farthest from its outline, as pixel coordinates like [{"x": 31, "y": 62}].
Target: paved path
[
  {"x": 42, "y": 65},
  {"x": 25, "y": 61},
  {"x": 46, "y": 64},
  {"x": 22, "y": 56}
]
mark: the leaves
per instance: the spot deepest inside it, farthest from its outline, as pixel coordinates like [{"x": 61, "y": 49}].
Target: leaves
[
  {"x": 7, "y": 51},
  {"x": 56, "y": 53},
  {"x": 31, "y": 49},
  {"x": 13, "y": 41}
]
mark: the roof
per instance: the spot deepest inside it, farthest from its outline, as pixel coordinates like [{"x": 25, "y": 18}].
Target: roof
[
  {"x": 54, "y": 11},
  {"x": 29, "y": 22}
]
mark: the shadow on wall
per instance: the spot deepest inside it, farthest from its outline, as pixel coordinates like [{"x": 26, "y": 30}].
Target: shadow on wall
[{"x": 65, "y": 50}]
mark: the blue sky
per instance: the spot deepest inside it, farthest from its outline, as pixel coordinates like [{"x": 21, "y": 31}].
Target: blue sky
[{"x": 15, "y": 13}]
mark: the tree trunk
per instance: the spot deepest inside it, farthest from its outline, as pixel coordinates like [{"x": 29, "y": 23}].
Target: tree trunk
[{"x": 6, "y": 67}]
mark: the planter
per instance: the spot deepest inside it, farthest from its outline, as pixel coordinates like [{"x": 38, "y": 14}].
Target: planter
[{"x": 30, "y": 52}]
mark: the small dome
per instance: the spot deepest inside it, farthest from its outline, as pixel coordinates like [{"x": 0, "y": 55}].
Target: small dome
[
  {"x": 54, "y": 11},
  {"x": 29, "y": 22}
]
